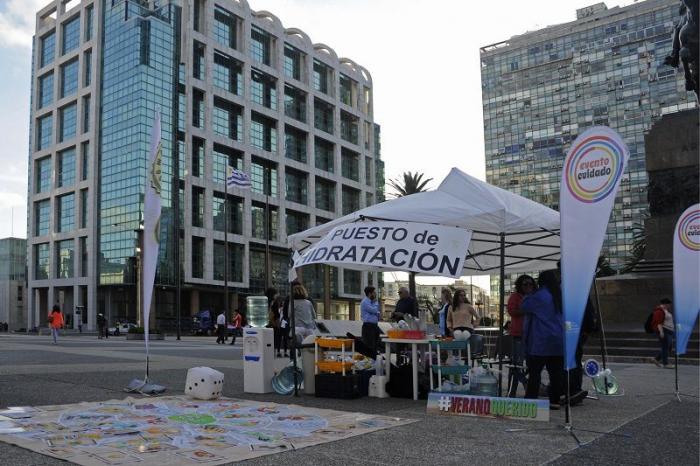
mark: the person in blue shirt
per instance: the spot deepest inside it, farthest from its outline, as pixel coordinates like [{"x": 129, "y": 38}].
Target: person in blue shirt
[
  {"x": 543, "y": 336},
  {"x": 369, "y": 312}
]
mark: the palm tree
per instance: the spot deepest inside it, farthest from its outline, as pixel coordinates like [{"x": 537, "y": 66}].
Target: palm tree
[{"x": 412, "y": 183}]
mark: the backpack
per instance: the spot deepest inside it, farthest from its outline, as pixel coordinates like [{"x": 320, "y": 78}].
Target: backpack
[{"x": 647, "y": 325}]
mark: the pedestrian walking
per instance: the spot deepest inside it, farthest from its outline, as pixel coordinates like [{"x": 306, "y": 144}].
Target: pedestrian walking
[
  {"x": 221, "y": 328},
  {"x": 55, "y": 322},
  {"x": 237, "y": 327},
  {"x": 662, "y": 323},
  {"x": 101, "y": 322}
]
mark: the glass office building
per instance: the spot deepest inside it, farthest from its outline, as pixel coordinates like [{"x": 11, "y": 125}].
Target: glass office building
[
  {"x": 542, "y": 88},
  {"x": 13, "y": 296},
  {"x": 233, "y": 87}
]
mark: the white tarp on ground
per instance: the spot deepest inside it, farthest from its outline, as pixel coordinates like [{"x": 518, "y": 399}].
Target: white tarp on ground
[{"x": 463, "y": 201}]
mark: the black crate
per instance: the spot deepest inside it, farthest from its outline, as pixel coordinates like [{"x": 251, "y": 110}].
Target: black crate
[{"x": 338, "y": 386}]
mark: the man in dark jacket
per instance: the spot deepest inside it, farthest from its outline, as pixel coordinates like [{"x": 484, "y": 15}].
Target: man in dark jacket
[{"x": 406, "y": 304}]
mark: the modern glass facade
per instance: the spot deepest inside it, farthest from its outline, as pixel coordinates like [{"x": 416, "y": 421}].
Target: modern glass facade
[
  {"x": 541, "y": 89},
  {"x": 229, "y": 94}
]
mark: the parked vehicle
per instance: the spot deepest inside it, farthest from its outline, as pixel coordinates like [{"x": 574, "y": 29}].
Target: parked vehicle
[
  {"x": 203, "y": 323},
  {"x": 121, "y": 329}
]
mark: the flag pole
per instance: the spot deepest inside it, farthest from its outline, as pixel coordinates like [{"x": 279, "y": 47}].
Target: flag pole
[{"x": 226, "y": 305}]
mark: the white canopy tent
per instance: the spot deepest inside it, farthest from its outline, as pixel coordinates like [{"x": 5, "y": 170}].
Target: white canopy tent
[{"x": 527, "y": 231}]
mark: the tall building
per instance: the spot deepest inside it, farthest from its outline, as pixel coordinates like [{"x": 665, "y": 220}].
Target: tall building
[
  {"x": 13, "y": 292},
  {"x": 233, "y": 87},
  {"x": 542, "y": 88}
]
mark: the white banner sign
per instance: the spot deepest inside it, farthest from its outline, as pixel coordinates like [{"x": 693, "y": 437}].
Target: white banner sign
[
  {"x": 151, "y": 223},
  {"x": 591, "y": 176},
  {"x": 686, "y": 275},
  {"x": 414, "y": 247}
]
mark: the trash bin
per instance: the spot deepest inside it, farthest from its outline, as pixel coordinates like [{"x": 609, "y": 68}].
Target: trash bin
[{"x": 308, "y": 361}]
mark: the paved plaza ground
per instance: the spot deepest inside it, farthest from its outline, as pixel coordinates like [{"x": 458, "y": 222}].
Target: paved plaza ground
[{"x": 651, "y": 427}]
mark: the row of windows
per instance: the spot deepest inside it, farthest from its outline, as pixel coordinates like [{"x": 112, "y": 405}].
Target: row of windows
[
  {"x": 67, "y": 124},
  {"x": 70, "y": 37},
  {"x": 64, "y": 259}
]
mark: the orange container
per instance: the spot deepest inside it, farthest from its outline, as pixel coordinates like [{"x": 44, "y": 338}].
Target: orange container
[
  {"x": 334, "y": 366},
  {"x": 335, "y": 343},
  {"x": 394, "y": 333},
  {"x": 413, "y": 334}
]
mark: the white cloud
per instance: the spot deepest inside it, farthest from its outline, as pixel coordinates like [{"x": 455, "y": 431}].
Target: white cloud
[
  {"x": 10, "y": 199},
  {"x": 17, "y": 22}
]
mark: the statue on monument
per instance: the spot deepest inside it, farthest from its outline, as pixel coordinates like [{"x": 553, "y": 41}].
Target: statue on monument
[{"x": 685, "y": 45}]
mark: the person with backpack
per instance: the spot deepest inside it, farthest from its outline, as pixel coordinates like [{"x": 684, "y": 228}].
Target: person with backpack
[
  {"x": 662, "y": 324},
  {"x": 55, "y": 322}
]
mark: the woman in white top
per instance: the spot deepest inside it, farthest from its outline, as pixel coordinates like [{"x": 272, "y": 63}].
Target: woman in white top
[{"x": 304, "y": 313}]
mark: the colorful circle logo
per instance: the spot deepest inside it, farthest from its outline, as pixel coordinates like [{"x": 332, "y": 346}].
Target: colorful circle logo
[
  {"x": 689, "y": 230},
  {"x": 594, "y": 166}
]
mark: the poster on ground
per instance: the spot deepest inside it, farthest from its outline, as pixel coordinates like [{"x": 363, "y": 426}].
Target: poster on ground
[{"x": 591, "y": 177}]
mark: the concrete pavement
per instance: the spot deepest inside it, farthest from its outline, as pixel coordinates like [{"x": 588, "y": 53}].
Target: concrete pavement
[{"x": 654, "y": 428}]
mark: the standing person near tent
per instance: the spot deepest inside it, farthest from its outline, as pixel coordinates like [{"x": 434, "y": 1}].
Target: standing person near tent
[
  {"x": 524, "y": 286},
  {"x": 283, "y": 314},
  {"x": 55, "y": 322},
  {"x": 446, "y": 300},
  {"x": 663, "y": 326},
  {"x": 221, "y": 328},
  {"x": 273, "y": 322},
  {"x": 462, "y": 315},
  {"x": 406, "y": 304},
  {"x": 369, "y": 311},
  {"x": 543, "y": 336},
  {"x": 304, "y": 314}
]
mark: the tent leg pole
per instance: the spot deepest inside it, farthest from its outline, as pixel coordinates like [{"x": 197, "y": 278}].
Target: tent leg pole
[{"x": 501, "y": 314}]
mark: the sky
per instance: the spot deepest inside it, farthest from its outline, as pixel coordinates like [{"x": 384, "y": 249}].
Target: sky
[{"x": 423, "y": 56}]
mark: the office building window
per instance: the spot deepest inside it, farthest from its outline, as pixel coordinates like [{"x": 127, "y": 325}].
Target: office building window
[
  {"x": 369, "y": 199},
  {"x": 225, "y": 27},
  {"x": 83, "y": 208},
  {"x": 235, "y": 261},
  {"x": 42, "y": 175},
  {"x": 48, "y": 48},
  {"x": 45, "y": 90},
  {"x": 86, "y": 113},
  {"x": 68, "y": 118},
  {"x": 223, "y": 156},
  {"x": 368, "y": 171},
  {"x": 296, "y": 185},
  {"x": 42, "y": 214},
  {"x": 295, "y": 103},
  {"x": 293, "y": 62},
  {"x": 84, "y": 160},
  {"x": 347, "y": 89},
  {"x": 257, "y": 216},
  {"x": 234, "y": 213},
  {"x": 348, "y": 127},
  {"x": 295, "y": 144},
  {"x": 69, "y": 78},
  {"x": 350, "y": 164},
  {"x": 322, "y": 77},
  {"x": 198, "y": 108},
  {"x": 351, "y": 200},
  {"x": 263, "y": 89},
  {"x": 325, "y": 194},
  {"x": 197, "y": 257},
  {"x": 227, "y": 119},
  {"x": 263, "y": 132},
  {"x": 199, "y": 61},
  {"x": 82, "y": 244},
  {"x": 263, "y": 177},
  {"x": 64, "y": 258},
  {"x": 65, "y": 213},
  {"x": 197, "y": 157},
  {"x": 324, "y": 152},
  {"x": 228, "y": 74},
  {"x": 197, "y": 207},
  {"x": 323, "y": 116},
  {"x": 71, "y": 35},
  {"x": 87, "y": 67},
  {"x": 352, "y": 281},
  {"x": 41, "y": 261},
  {"x": 260, "y": 45},
  {"x": 89, "y": 13},
  {"x": 296, "y": 222},
  {"x": 44, "y": 133},
  {"x": 66, "y": 168}
]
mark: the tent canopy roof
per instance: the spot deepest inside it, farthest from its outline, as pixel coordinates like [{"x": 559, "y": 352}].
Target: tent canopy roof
[{"x": 530, "y": 229}]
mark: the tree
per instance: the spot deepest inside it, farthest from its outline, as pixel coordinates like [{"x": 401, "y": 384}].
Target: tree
[{"x": 411, "y": 183}]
